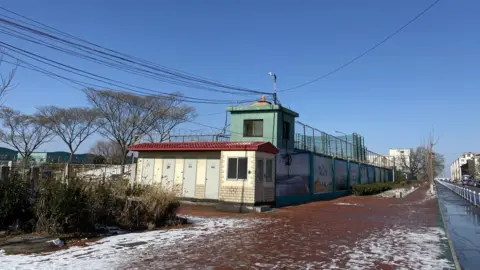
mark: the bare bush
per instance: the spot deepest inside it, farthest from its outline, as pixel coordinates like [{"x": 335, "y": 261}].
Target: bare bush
[
  {"x": 81, "y": 206},
  {"x": 110, "y": 151}
]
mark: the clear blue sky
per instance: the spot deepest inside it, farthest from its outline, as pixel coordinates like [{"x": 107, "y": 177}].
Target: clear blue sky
[{"x": 424, "y": 78}]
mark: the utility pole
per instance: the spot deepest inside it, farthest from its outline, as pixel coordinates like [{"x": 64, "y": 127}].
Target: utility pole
[
  {"x": 430, "y": 163},
  {"x": 274, "y": 87}
]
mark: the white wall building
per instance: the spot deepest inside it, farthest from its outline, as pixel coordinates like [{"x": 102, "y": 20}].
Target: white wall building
[
  {"x": 401, "y": 157},
  {"x": 456, "y": 167}
]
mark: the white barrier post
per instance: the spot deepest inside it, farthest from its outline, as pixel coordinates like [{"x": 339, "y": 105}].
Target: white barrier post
[{"x": 475, "y": 198}]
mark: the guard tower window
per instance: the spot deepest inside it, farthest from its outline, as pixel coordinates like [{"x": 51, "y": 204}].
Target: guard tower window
[
  {"x": 286, "y": 130},
  {"x": 253, "y": 128}
]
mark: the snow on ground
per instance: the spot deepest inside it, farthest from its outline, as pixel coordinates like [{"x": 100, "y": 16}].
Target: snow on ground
[
  {"x": 392, "y": 193},
  {"x": 428, "y": 196},
  {"x": 348, "y": 204},
  {"x": 402, "y": 248},
  {"x": 113, "y": 251}
]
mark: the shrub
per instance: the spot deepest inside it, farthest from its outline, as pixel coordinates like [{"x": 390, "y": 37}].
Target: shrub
[
  {"x": 62, "y": 208},
  {"x": 147, "y": 207},
  {"x": 15, "y": 204},
  {"x": 81, "y": 206},
  {"x": 371, "y": 189}
]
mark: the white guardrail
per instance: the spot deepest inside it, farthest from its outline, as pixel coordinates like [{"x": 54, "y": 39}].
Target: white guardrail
[{"x": 466, "y": 193}]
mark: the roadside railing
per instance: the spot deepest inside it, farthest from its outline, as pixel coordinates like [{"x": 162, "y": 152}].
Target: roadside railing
[{"x": 472, "y": 196}]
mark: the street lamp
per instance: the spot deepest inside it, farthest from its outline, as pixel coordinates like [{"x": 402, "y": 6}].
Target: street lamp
[
  {"x": 274, "y": 87},
  {"x": 346, "y": 141}
]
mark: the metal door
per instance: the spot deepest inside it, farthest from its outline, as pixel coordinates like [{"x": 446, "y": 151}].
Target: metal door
[
  {"x": 189, "y": 178},
  {"x": 148, "y": 166},
  {"x": 259, "y": 179},
  {"x": 168, "y": 173},
  {"x": 212, "y": 179}
]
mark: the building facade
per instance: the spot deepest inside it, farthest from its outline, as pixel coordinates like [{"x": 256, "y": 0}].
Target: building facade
[
  {"x": 227, "y": 172},
  {"x": 464, "y": 165},
  {"x": 401, "y": 158}
]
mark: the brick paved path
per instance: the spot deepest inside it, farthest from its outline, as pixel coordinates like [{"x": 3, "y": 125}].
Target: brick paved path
[{"x": 348, "y": 233}]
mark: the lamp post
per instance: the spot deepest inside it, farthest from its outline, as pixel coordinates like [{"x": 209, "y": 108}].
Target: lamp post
[
  {"x": 346, "y": 141},
  {"x": 274, "y": 87}
]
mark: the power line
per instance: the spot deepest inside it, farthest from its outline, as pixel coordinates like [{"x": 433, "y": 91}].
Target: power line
[
  {"x": 186, "y": 121},
  {"x": 108, "y": 53},
  {"x": 366, "y": 52},
  {"x": 113, "y": 65},
  {"x": 99, "y": 78}
]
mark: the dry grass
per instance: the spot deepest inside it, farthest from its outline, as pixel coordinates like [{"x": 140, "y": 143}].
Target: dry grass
[{"x": 84, "y": 206}]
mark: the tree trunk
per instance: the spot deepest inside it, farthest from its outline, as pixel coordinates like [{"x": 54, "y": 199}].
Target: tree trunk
[{"x": 123, "y": 161}]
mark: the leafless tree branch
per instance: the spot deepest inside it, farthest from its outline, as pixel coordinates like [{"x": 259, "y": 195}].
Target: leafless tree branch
[
  {"x": 125, "y": 115},
  {"x": 72, "y": 125},
  {"x": 6, "y": 82},
  {"x": 25, "y": 133}
]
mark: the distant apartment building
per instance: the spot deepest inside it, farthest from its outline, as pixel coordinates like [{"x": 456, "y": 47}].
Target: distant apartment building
[
  {"x": 464, "y": 165},
  {"x": 401, "y": 157}
]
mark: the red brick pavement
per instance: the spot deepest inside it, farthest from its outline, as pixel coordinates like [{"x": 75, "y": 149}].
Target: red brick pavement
[{"x": 347, "y": 233}]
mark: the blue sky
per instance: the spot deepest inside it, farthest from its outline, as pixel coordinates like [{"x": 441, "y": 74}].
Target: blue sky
[{"x": 423, "y": 79}]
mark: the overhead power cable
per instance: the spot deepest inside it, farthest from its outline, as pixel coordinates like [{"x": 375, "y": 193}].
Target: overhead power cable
[
  {"x": 88, "y": 75},
  {"x": 113, "y": 65},
  {"x": 83, "y": 86},
  {"x": 112, "y": 54},
  {"x": 365, "y": 52}
]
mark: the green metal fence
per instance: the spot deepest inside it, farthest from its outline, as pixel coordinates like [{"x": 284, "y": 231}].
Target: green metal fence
[{"x": 349, "y": 147}]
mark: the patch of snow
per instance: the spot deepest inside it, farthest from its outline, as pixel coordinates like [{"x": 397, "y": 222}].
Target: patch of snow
[
  {"x": 112, "y": 252},
  {"x": 401, "y": 248},
  {"x": 351, "y": 204},
  {"x": 396, "y": 192}
]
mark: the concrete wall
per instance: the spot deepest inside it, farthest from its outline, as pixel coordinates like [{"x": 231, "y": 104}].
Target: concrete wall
[{"x": 313, "y": 177}]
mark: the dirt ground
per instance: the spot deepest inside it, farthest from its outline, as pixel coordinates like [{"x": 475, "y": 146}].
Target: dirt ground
[{"x": 347, "y": 233}]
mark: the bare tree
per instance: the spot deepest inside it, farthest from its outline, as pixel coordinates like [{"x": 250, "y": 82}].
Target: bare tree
[
  {"x": 6, "y": 82},
  {"x": 172, "y": 114},
  {"x": 110, "y": 150},
  {"x": 72, "y": 125},
  {"x": 25, "y": 133},
  {"x": 126, "y": 116},
  {"x": 415, "y": 163}
]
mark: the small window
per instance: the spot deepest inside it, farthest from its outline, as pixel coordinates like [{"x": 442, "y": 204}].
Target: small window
[
  {"x": 237, "y": 169},
  {"x": 286, "y": 130},
  {"x": 253, "y": 128},
  {"x": 269, "y": 171}
]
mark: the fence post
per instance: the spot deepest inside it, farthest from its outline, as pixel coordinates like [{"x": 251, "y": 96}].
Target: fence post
[
  {"x": 5, "y": 173},
  {"x": 35, "y": 176},
  {"x": 133, "y": 173}
]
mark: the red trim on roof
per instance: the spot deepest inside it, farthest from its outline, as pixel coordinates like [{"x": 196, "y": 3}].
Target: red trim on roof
[{"x": 266, "y": 147}]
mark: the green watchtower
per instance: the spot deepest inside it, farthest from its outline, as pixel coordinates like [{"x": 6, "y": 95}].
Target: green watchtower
[{"x": 263, "y": 121}]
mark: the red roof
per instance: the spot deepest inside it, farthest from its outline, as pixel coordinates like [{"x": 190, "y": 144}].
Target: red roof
[{"x": 206, "y": 146}]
